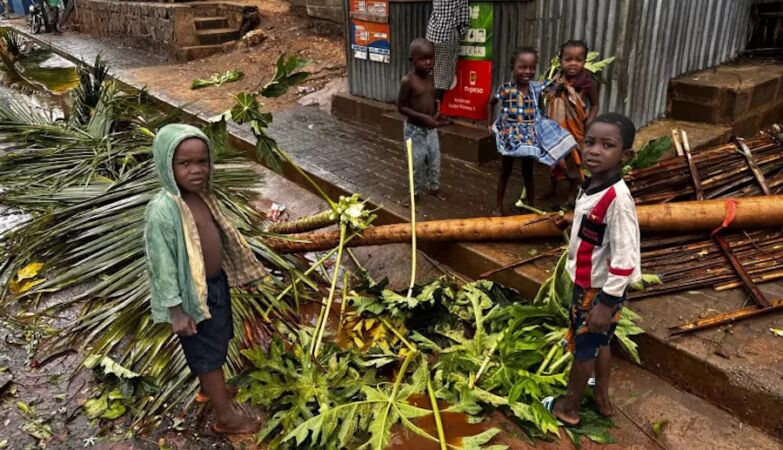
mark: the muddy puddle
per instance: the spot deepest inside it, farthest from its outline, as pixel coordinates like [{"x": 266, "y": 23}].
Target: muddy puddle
[{"x": 456, "y": 427}]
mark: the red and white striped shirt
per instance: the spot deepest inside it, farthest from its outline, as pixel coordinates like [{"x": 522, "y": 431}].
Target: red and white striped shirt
[{"x": 604, "y": 249}]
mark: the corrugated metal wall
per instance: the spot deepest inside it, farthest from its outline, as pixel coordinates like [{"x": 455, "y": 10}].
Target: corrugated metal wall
[
  {"x": 378, "y": 81},
  {"x": 653, "y": 40}
]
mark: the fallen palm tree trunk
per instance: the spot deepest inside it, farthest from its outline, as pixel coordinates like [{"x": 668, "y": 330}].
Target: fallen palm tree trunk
[{"x": 684, "y": 217}]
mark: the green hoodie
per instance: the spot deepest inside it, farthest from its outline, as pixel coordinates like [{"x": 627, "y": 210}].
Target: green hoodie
[{"x": 171, "y": 240}]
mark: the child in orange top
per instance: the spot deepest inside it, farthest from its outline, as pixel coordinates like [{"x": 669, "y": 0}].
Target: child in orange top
[{"x": 572, "y": 101}]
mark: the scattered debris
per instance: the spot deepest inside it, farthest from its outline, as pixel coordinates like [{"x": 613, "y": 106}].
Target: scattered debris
[
  {"x": 218, "y": 79},
  {"x": 323, "y": 98},
  {"x": 276, "y": 212},
  {"x": 253, "y": 38}
]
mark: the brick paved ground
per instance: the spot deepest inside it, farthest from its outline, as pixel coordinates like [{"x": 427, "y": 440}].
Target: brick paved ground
[{"x": 351, "y": 156}]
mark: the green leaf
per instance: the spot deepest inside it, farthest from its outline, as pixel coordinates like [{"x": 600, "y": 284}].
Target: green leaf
[
  {"x": 477, "y": 441},
  {"x": 659, "y": 426},
  {"x": 95, "y": 407},
  {"x": 246, "y": 108},
  {"x": 218, "y": 79},
  {"x": 114, "y": 410},
  {"x": 650, "y": 153},
  {"x": 22, "y": 406}
]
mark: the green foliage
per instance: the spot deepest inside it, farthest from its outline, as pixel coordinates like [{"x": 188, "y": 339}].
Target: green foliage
[
  {"x": 247, "y": 109},
  {"x": 652, "y": 151},
  {"x": 85, "y": 97},
  {"x": 218, "y": 79},
  {"x": 592, "y": 64},
  {"x": 294, "y": 388}
]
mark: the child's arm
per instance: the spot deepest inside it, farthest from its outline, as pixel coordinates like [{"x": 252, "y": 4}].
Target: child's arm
[
  {"x": 623, "y": 234},
  {"x": 404, "y": 107},
  {"x": 491, "y": 112},
  {"x": 159, "y": 242},
  {"x": 595, "y": 103}
]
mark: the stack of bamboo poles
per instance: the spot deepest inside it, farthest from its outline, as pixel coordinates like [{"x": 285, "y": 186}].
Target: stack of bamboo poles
[
  {"x": 724, "y": 171},
  {"x": 689, "y": 262}
]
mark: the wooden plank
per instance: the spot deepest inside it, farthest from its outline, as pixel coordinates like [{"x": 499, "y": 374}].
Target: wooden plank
[{"x": 727, "y": 318}]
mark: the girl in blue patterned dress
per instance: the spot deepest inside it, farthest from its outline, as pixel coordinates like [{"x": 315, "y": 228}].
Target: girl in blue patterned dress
[{"x": 521, "y": 130}]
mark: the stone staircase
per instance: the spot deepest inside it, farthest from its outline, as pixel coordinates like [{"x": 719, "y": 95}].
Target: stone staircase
[
  {"x": 212, "y": 33},
  {"x": 712, "y": 105}
]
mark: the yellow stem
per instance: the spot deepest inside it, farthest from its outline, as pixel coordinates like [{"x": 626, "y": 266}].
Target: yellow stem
[
  {"x": 345, "y": 300},
  {"x": 436, "y": 414},
  {"x": 322, "y": 325},
  {"x": 413, "y": 216}
]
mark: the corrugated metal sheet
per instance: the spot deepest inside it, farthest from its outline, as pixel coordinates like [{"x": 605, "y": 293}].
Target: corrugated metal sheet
[
  {"x": 377, "y": 81},
  {"x": 653, "y": 40}
]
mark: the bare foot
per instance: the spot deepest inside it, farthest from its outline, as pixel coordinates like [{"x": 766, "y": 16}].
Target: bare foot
[
  {"x": 604, "y": 405},
  {"x": 437, "y": 194},
  {"x": 202, "y": 397},
  {"x": 570, "y": 418},
  {"x": 237, "y": 424}
]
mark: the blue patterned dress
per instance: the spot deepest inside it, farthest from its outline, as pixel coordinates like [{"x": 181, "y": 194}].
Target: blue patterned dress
[{"x": 521, "y": 130}]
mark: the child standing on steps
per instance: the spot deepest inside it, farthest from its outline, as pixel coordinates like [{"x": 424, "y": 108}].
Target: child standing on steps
[
  {"x": 521, "y": 130},
  {"x": 603, "y": 260},
  {"x": 571, "y": 99},
  {"x": 193, "y": 255},
  {"x": 416, "y": 101}
]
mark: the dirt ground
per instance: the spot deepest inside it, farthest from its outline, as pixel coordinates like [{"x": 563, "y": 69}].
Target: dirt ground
[{"x": 287, "y": 31}]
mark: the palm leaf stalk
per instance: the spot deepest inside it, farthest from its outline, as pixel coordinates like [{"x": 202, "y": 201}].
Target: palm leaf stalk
[
  {"x": 320, "y": 328},
  {"x": 310, "y": 223},
  {"x": 85, "y": 183}
]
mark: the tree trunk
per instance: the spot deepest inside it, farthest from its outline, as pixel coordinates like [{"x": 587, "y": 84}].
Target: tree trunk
[{"x": 684, "y": 217}]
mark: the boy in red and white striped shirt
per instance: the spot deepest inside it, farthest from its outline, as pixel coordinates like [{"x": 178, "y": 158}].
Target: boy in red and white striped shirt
[{"x": 603, "y": 260}]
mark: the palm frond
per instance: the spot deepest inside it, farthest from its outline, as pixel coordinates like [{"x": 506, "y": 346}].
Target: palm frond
[{"x": 85, "y": 183}]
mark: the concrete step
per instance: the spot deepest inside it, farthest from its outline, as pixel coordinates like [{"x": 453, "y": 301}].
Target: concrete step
[
  {"x": 700, "y": 135},
  {"x": 217, "y": 36},
  {"x": 691, "y": 423},
  {"x": 197, "y": 52},
  {"x": 460, "y": 141},
  {"x": 210, "y": 23},
  {"x": 746, "y": 96}
]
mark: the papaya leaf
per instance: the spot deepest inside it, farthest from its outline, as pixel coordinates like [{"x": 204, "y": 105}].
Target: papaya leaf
[{"x": 650, "y": 154}]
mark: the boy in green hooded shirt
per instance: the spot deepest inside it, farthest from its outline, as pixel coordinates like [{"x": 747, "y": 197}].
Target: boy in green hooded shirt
[{"x": 194, "y": 254}]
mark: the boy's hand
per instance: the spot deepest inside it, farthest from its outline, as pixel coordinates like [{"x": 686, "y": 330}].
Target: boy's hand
[
  {"x": 561, "y": 221},
  {"x": 181, "y": 323},
  {"x": 431, "y": 122},
  {"x": 443, "y": 120},
  {"x": 599, "y": 318}
]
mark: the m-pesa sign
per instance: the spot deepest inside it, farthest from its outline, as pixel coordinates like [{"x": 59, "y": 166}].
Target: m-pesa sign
[{"x": 471, "y": 91}]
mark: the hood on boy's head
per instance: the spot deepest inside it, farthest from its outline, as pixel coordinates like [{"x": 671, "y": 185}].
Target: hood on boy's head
[{"x": 165, "y": 145}]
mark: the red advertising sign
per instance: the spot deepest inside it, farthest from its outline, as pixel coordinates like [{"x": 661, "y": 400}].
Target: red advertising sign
[
  {"x": 470, "y": 95},
  {"x": 377, "y": 8}
]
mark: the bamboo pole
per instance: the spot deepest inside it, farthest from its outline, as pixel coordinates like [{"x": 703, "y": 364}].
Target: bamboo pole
[{"x": 684, "y": 217}]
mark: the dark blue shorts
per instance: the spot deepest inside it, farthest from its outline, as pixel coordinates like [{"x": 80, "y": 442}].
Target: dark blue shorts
[
  {"x": 583, "y": 343},
  {"x": 206, "y": 350}
]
